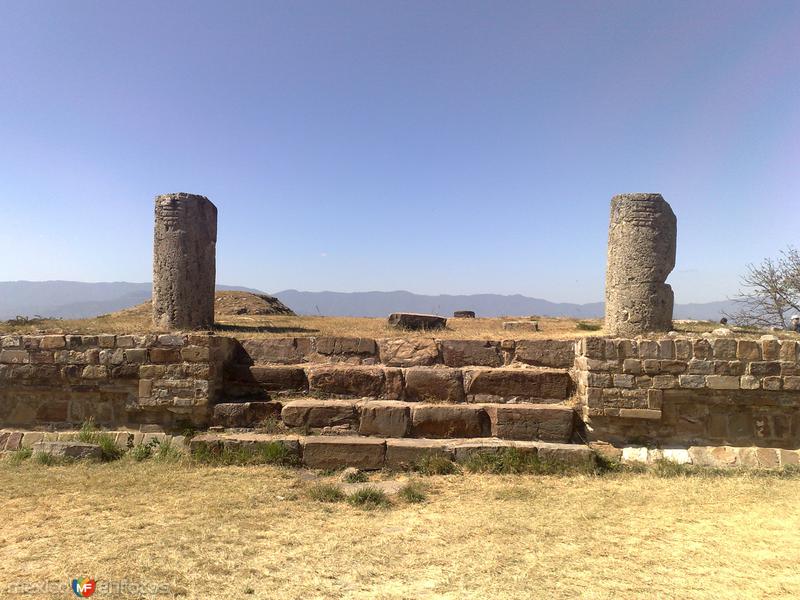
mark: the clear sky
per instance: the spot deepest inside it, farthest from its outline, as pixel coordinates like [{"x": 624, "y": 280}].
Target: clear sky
[{"x": 438, "y": 146}]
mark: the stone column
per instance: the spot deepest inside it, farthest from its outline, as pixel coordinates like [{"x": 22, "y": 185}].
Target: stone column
[
  {"x": 184, "y": 262},
  {"x": 641, "y": 254}
]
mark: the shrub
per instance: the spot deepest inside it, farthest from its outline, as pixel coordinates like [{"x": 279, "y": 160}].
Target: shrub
[
  {"x": 50, "y": 460},
  {"x": 326, "y": 492},
  {"x": 369, "y": 498},
  {"x": 584, "y": 326},
  {"x": 413, "y": 492},
  {"x": 142, "y": 452},
  {"x": 90, "y": 434},
  {"x": 20, "y": 455},
  {"x": 271, "y": 453}
]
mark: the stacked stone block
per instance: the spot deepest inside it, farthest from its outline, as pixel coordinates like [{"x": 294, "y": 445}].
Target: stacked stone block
[
  {"x": 61, "y": 380},
  {"x": 717, "y": 390}
]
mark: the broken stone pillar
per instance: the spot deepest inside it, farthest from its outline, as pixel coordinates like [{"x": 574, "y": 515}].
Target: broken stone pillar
[
  {"x": 184, "y": 262},
  {"x": 641, "y": 254}
]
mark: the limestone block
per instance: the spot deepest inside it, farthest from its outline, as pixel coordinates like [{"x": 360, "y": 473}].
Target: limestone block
[
  {"x": 336, "y": 452},
  {"x": 433, "y": 384},
  {"x": 547, "y": 353},
  {"x": 462, "y": 353},
  {"x": 319, "y": 413},
  {"x": 416, "y": 321},
  {"x": 385, "y": 418},
  {"x": 408, "y": 352},
  {"x": 449, "y": 421},
  {"x": 346, "y": 380}
]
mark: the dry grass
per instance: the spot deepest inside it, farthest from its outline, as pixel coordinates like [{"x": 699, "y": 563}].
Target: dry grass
[
  {"x": 251, "y": 532},
  {"x": 137, "y": 320}
]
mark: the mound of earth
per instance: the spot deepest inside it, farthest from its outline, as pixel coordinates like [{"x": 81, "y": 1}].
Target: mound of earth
[
  {"x": 247, "y": 303},
  {"x": 226, "y": 304}
]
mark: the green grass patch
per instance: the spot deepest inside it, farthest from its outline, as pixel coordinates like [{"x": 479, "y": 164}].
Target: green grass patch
[
  {"x": 413, "y": 492},
  {"x": 510, "y": 461},
  {"x": 584, "y": 326},
  {"x": 18, "y": 456},
  {"x": 90, "y": 434},
  {"x": 369, "y": 498},
  {"x": 436, "y": 464},
  {"x": 325, "y": 492}
]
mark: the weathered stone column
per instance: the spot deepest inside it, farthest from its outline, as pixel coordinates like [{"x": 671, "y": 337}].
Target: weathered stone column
[
  {"x": 184, "y": 262},
  {"x": 641, "y": 254}
]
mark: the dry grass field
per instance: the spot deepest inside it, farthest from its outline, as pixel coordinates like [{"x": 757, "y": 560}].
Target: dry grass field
[
  {"x": 137, "y": 320},
  {"x": 252, "y": 532}
]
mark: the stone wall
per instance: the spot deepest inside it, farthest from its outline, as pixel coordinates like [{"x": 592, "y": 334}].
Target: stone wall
[
  {"x": 688, "y": 391},
  {"x": 407, "y": 352},
  {"x": 58, "y": 381}
]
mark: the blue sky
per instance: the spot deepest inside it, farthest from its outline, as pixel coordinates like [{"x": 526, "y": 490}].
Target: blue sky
[{"x": 438, "y": 147}]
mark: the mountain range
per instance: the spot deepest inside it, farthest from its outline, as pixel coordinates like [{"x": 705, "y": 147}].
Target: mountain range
[{"x": 74, "y": 299}]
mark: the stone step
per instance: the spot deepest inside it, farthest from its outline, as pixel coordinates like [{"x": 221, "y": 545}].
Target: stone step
[
  {"x": 371, "y": 453},
  {"x": 396, "y": 419},
  {"x": 406, "y": 351},
  {"x": 422, "y": 383}
]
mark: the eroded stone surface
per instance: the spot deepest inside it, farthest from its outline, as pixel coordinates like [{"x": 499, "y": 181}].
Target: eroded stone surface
[
  {"x": 387, "y": 419},
  {"x": 641, "y": 254},
  {"x": 184, "y": 261},
  {"x": 449, "y": 421},
  {"x": 416, "y": 321},
  {"x": 336, "y": 452},
  {"x": 434, "y": 384}
]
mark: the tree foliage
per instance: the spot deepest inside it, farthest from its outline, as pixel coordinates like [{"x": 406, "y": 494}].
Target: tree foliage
[{"x": 770, "y": 292}]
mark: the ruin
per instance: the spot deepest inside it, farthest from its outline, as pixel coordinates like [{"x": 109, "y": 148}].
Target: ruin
[
  {"x": 184, "y": 262},
  {"x": 374, "y": 402},
  {"x": 641, "y": 254}
]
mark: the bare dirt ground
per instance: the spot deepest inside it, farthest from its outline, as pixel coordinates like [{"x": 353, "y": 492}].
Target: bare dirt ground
[{"x": 252, "y": 532}]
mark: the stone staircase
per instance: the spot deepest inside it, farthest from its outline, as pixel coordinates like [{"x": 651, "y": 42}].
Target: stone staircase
[{"x": 349, "y": 398}]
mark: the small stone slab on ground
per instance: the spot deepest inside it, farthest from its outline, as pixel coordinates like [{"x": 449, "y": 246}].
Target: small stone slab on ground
[
  {"x": 67, "y": 449},
  {"x": 416, "y": 321}
]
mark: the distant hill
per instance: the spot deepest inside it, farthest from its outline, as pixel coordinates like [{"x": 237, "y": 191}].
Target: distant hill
[
  {"x": 380, "y": 304},
  {"x": 73, "y": 299}
]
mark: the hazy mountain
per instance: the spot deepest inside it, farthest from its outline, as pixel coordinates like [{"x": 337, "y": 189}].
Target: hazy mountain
[
  {"x": 73, "y": 299},
  {"x": 380, "y": 304}
]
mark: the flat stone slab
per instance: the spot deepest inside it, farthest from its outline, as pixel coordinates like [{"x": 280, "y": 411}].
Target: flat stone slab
[
  {"x": 449, "y": 421},
  {"x": 543, "y": 422},
  {"x": 416, "y": 321},
  {"x": 320, "y": 413},
  {"x": 521, "y": 325},
  {"x": 521, "y": 384},
  {"x": 574, "y": 455},
  {"x": 717, "y": 457},
  {"x": 405, "y": 453},
  {"x": 67, "y": 449},
  {"x": 368, "y": 453},
  {"x": 385, "y": 419},
  {"x": 244, "y": 414},
  {"x": 216, "y": 441},
  {"x": 333, "y": 452}
]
